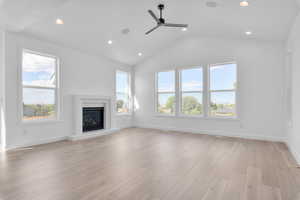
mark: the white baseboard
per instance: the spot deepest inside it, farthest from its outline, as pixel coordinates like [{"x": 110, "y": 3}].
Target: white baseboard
[
  {"x": 294, "y": 152},
  {"x": 218, "y": 133},
  {"x": 57, "y": 139},
  {"x": 93, "y": 134},
  {"x": 39, "y": 142}
]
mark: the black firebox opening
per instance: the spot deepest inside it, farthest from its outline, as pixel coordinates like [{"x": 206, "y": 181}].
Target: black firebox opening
[{"x": 92, "y": 118}]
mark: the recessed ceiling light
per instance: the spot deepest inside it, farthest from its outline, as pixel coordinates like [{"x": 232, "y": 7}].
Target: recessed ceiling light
[
  {"x": 248, "y": 33},
  {"x": 109, "y": 41},
  {"x": 59, "y": 21},
  {"x": 244, "y": 3},
  {"x": 125, "y": 31},
  {"x": 184, "y": 29},
  {"x": 211, "y": 4},
  {"x": 140, "y": 54}
]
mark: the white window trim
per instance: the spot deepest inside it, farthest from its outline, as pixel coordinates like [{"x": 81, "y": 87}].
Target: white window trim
[
  {"x": 130, "y": 103},
  {"x": 57, "y": 117},
  {"x": 180, "y": 113},
  {"x": 209, "y": 91},
  {"x": 205, "y": 94},
  {"x": 156, "y": 95}
]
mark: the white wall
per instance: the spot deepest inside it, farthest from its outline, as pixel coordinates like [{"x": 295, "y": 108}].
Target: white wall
[
  {"x": 80, "y": 74},
  {"x": 2, "y": 125},
  {"x": 261, "y": 67},
  {"x": 293, "y": 126}
]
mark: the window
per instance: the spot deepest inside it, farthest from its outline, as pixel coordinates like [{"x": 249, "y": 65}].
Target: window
[
  {"x": 39, "y": 86},
  {"x": 123, "y": 92},
  {"x": 165, "y": 92},
  {"x": 204, "y": 91},
  {"x": 191, "y": 94},
  {"x": 222, "y": 90}
]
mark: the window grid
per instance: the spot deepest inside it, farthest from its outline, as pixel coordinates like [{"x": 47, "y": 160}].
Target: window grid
[
  {"x": 182, "y": 92},
  {"x": 211, "y": 91},
  {"x": 125, "y": 94},
  {"x": 165, "y": 92},
  {"x": 206, "y": 92},
  {"x": 53, "y": 88}
]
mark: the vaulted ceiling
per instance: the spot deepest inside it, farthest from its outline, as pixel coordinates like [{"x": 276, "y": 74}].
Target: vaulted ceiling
[{"x": 89, "y": 24}]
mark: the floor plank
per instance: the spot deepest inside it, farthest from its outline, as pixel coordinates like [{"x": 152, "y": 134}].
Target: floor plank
[{"x": 148, "y": 164}]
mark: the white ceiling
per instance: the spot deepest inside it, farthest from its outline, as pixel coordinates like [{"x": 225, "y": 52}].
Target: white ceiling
[{"x": 89, "y": 24}]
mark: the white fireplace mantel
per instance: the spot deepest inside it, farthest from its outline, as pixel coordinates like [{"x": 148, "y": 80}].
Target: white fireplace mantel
[{"x": 81, "y": 101}]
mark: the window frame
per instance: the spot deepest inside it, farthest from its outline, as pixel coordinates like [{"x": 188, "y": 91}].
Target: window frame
[
  {"x": 205, "y": 93},
  {"x": 56, "y": 88},
  {"x": 209, "y": 91},
  {"x": 129, "y": 94},
  {"x": 180, "y": 92},
  {"x": 157, "y": 94}
]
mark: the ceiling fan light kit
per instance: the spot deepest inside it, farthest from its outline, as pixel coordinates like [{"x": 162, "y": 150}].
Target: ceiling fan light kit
[{"x": 161, "y": 21}]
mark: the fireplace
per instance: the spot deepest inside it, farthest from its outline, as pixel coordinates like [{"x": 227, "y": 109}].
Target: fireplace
[{"x": 92, "y": 118}]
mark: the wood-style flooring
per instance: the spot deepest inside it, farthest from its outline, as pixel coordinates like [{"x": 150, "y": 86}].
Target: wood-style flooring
[{"x": 146, "y": 164}]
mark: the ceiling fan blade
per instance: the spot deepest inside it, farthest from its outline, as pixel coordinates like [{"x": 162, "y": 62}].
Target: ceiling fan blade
[
  {"x": 176, "y": 25},
  {"x": 152, "y": 29},
  {"x": 153, "y": 15}
]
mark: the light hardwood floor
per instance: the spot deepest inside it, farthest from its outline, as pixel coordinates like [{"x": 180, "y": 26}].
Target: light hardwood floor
[{"x": 145, "y": 164}]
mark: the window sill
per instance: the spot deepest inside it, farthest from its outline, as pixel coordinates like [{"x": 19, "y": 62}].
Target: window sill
[
  {"x": 223, "y": 118},
  {"x": 124, "y": 114},
  {"x": 201, "y": 117},
  {"x": 165, "y": 115},
  {"x": 191, "y": 116},
  {"x": 38, "y": 122}
]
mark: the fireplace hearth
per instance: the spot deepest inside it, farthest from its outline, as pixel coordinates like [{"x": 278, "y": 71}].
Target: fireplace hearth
[{"x": 92, "y": 118}]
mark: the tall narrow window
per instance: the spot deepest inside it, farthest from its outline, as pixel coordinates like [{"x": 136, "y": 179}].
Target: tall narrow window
[
  {"x": 123, "y": 91},
  {"x": 191, "y": 91},
  {"x": 223, "y": 80},
  {"x": 40, "y": 86},
  {"x": 166, "y": 92}
]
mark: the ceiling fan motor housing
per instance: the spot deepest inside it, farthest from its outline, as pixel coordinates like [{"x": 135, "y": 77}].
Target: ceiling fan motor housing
[
  {"x": 161, "y": 20},
  {"x": 161, "y": 7}
]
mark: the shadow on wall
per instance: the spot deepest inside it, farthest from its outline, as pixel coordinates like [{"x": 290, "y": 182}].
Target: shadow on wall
[
  {"x": 2, "y": 126},
  {"x": 136, "y": 105}
]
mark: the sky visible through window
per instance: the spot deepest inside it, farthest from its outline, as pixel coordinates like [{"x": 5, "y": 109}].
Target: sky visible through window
[
  {"x": 38, "y": 70},
  {"x": 122, "y": 82},
  {"x": 166, "y": 81},
  {"x": 122, "y": 91},
  {"x": 122, "y": 86},
  {"x": 192, "y": 79},
  {"x": 222, "y": 77}
]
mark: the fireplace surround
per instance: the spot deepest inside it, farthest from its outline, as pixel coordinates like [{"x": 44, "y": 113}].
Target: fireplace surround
[{"x": 97, "y": 106}]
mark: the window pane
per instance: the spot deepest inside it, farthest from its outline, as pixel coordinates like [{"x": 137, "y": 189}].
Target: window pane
[
  {"x": 38, "y": 103},
  {"x": 122, "y": 82},
  {"x": 38, "y": 70},
  {"x": 223, "y": 77},
  {"x": 192, "y": 103},
  {"x": 166, "y": 103},
  {"x": 166, "y": 81},
  {"x": 222, "y": 104},
  {"x": 122, "y": 102},
  {"x": 192, "y": 79}
]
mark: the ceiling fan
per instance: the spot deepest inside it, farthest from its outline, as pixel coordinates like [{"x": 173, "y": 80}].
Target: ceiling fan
[{"x": 161, "y": 21}]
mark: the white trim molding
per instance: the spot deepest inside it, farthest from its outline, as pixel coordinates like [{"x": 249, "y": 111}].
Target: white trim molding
[
  {"x": 293, "y": 152},
  {"x": 39, "y": 142},
  {"x": 93, "y": 134},
  {"x": 233, "y": 134},
  {"x": 81, "y": 101}
]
